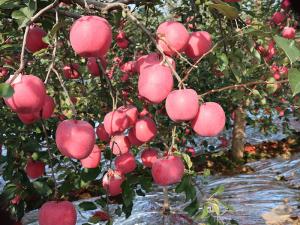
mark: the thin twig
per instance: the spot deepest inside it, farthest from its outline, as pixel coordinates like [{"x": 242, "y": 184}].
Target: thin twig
[
  {"x": 237, "y": 86},
  {"x": 74, "y": 112},
  {"x": 54, "y": 50}
]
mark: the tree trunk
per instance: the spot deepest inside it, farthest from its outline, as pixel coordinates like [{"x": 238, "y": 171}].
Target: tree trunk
[{"x": 238, "y": 134}]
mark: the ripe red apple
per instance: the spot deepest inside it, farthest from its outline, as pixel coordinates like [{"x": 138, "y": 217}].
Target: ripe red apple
[
  {"x": 75, "y": 138},
  {"x": 16, "y": 200},
  {"x": 112, "y": 182},
  {"x": 93, "y": 67},
  {"x": 286, "y": 4},
  {"x": 34, "y": 40},
  {"x": 91, "y": 36},
  {"x": 35, "y": 169},
  {"x": 278, "y": 18},
  {"x": 121, "y": 40},
  {"x": 57, "y": 213},
  {"x": 155, "y": 83},
  {"x": 48, "y": 107},
  {"x": 102, "y": 134},
  {"x": 210, "y": 119},
  {"x": 29, "y": 94},
  {"x": 132, "y": 138},
  {"x": 71, "y": 71},
  {"x": 128, "y": 67},
  {"x": 182, "y": 105},
  {"x": 168, "y": 34},
  {"x": 145, "y": 129},
  {"x": 199, "y": 43},
  {"x": 93, "y": 159},
  {"x": 125, "y": 163},
  {"x": 119, "y": 144},
  {"x": 289, "y": 32},
  {"x": 149, "y": 156},
  {"x": 131, "y": 112},
  {"x": 151, "y": 59},
  {"x": 191, "y": 151},
  {"x": 28, "y": 118},
  {"x": 3, "y": 72},
  {"x": 276, "y": 76},
  {"x": 116, "y": 121},
  {"x": 167, "y": 170}
]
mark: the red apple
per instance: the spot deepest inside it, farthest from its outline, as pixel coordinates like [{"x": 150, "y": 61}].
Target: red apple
[
  {"x": 182, "y": 105},
  {"x": 35, "y": 169},
  {"x": 29, "y": 94},
  {"x": 75, "y": 138},
  {"x": 119, "y": 144},
  {"x": 289, "y": 32},
  {"x": 145, "y": 129},
  {"x": 151, "y": 59},
  {"x": 191, "y": 151},
  {"x": 167, "y": 170},
  {"x": 128, "y": 67},
  {"x": 48, "y": 107},
  {"x": 278, "y": 18},
  {"x": 123, "y": 43},
  {"x": 276, "y": 76},
  {"x": 149, "y": 156},
  {"x": 102, "y": 134},
  {"x": 101, "y": 215},
  {"x": 91, "y": 36},
  {"x": 57, "y": 213},
  {"x": 112, "y": 182},
  {"x": 93, "y": 67},
  {"x": 155, "y": 83},
  {"x": 199, "y": 43},
  {"x": 210, "y": 119},
  {"x": 132, "y": 138},
  {"x": 286, "y": 4},
  {"x": 71, "y": 71},
  {"x": 116, "y": 121},
  {"x": 3, "y": 72},
  {"x": 93, "y": 159},
  {"x": 16, "y": 200},
  {"x": 172, "y": 37},
  {"x": 29, "y": 118},
  {"x": 131, "y": 112},
  {"x": 34, "y": 40},
  {"x": 125, "y": 163}
]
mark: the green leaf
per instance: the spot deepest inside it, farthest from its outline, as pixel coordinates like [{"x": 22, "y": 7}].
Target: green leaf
[
  {"x": 294, "y": 80},
  {"x": 288, "y": 46},
  {"x": 90, "y": 174},
  {"x": 55, "y": 28},
  {"x": 226, "y": 10},
  {"x": 187, "y": 160},
  {"x": 42, "y": 188},
  {"x": 85, "y": 206},
  {"x": 6, "y": 90},
  {"x": 32, "y": 5},
  {"x": 218, "y": 190},
  {"x": 192, "y": 208},
  {"x": 9, "y": 4}
]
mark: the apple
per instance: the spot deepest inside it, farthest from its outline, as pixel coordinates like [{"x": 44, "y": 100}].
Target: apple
[
  {"x": 125, "y": 163},
  {"x": 276, "y": 76},
  {"x": 132, "y": 138},
  {"x": 278, "y": 18},
  {"x": 149, "y": 156},
  {"x": 93, "y": 67},
  {"x": 112, "y": 182},
  {"x": 28, "y": 118},
  {"x": 151, "y": 59},
  {"x": 210, "y": 120},
  {"x": 3, "y": 72},
  {"x": 75, "y": 138},
  {"x": 34, "y": 40},
  {"x": 182, "y": 105},
  {"x": 131, "y": 112},
  {"x": 289, "y": 32},
  {"x": 172, "y": 37},
  {"x": 116, "y": 121},
  {"x": 48, "y": 107},
  {"x": 128, "y": 67},
  {"x": 286, "y": 4},
  {"x": 35, "y": 169},
  {"x": 16, "y": 200},
  {"x": 71, "y": 71},
  {"x": 57, "y": 213},
  {"x": 29, "y": 94},
  {"x": 145, "y": 129},
  {"x": 121, "y": 40},
  {"x": 101, "y": 215},
  {"x": 102, "y": 134},
  {"x": 119, "y": 144},
  {"x": 191, "y": 151},
  {"x": 91, "y": 36},
  {"x": 199, "y": 43},
  {"x": 93, "y": 159},
  {"x": 167, "y": 170},
  {"x": 155, "y": 83}
]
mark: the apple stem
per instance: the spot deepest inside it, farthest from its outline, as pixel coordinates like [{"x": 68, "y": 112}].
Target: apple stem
[
  {"x": 173, "y": 140},
  {"x": 166, "y": 206}
]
